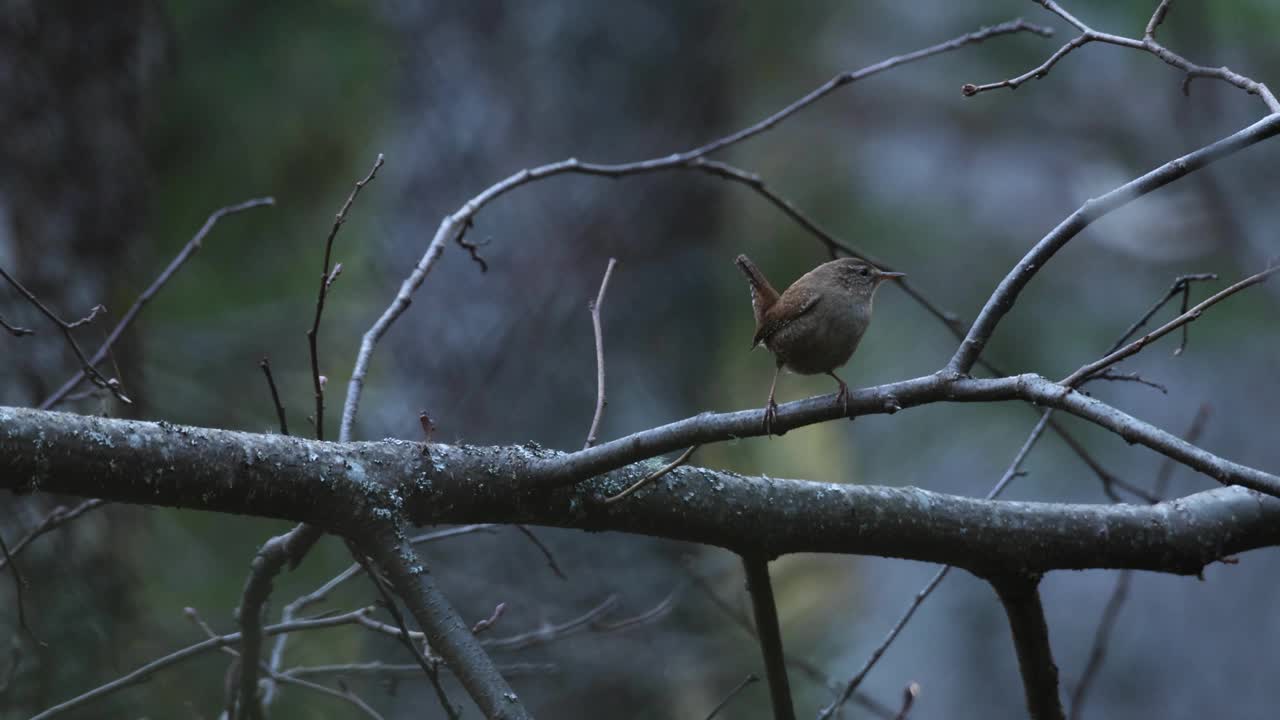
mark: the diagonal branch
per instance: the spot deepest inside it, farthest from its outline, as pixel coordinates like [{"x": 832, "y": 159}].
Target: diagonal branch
[
  {"x": 193, "y": 245},
  {"x": 1092, "y": 369},
  {"x": 1006, "y": 294},
  {"x": 446, "y": 631}
]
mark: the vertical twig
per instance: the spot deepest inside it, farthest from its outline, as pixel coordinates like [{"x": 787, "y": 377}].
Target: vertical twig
[
  {"x": 594, "y": 307},
  {"x": 327, "y": 275},
  {"x": 766, "y": 614},
  {"x": 265, "y": 364}
]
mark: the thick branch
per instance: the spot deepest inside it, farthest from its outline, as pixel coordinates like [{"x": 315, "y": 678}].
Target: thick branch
[
  {"x": 338, "y": 486},
  {"x": 769, "y": 634},
  {"x": 445, "y": 630},
  {"x": 1021, "y": 599}
]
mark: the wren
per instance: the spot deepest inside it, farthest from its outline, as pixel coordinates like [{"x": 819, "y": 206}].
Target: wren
[{"x": 814, "y": 326}]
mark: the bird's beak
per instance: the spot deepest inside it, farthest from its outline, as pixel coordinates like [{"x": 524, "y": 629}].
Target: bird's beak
[{"x": 885, "y": 275}]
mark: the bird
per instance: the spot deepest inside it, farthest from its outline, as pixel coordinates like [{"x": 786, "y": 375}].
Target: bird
[{"x": 814, "y": 325}]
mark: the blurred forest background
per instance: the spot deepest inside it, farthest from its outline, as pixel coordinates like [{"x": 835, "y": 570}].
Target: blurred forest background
[{"x": 125, "y": 124}]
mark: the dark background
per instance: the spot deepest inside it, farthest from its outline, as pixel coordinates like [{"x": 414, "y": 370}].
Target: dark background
[{"x": 123, "y": 127}]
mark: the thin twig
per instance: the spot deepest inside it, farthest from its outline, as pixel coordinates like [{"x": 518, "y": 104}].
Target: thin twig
[
  {"x": 457, "y": 223},
  {"x": 769, "y": 634},
  {"x": 344, "y": 694},
  {"x": 145, "y": 672},
  {"x": 15, "y": 330},
  {"x": 112, "y": 385},
  {"x": 748, "y": 680},
  {"x": 327, "y": 276},
  {"x": 546, "y": 551},
  {"x": 430, "y": 667},
  {"x": 594, "y": 308},
  {"x": 265, "y": 364},
  {"x": 19, "y": 584},
  {"x": 1148, "y": 44},
  {"x": 1191, "y": 315},
  {"x": 56, "y": 518},
  {"x": 684, "y": 458},
  {"x": 163, "y": 278},
  {"x": 489, "y": 622},
  {"x": 1181, "y": 285},
  {"x": 657, "y": 612}
]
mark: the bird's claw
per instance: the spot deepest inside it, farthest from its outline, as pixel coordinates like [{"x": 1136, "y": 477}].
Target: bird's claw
[{"x": 770, "y": 417}]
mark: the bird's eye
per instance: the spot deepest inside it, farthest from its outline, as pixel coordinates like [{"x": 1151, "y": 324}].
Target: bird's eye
[{"x": 862, "y": 271}]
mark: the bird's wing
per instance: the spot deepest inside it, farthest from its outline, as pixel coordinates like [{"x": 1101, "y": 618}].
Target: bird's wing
[{"x": 772, "y": 323}]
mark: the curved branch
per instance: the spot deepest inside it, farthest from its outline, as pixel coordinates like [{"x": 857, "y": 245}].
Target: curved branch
[
  {"x": 1006, "y": 294},
  {"x": 564, "y": 469}
]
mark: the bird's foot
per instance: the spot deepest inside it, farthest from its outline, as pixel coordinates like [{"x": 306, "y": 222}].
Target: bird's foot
[
  {"x": 843, "y": 396},
  {"x": 770, "y": 417}
]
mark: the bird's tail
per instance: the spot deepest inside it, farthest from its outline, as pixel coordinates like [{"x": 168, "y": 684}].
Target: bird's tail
[{"x": 763, "y": 296}]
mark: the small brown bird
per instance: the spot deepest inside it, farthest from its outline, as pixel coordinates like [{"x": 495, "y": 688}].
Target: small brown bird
[{"x": 813, "y": 326}]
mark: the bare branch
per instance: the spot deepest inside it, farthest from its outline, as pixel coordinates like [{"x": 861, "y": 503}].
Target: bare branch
[
  {"x": 56, "y": 518},
  {"x": 748, "y": 680},
  {"x": 594, "y": 308},
  {"x": 445, "y": 630},
  {"x": 19, "y": 584},
  {"x": 769, "y": 635},
  {"x": 1084, "y": 373},
  {"x": 1157, "y": 18},
  {"x": 265, "y": 364},
  {"x": 112, "y": 385},
  {"x": 293, "y": 609},
  {"x": 1021, "y": 599},
  {"x": 546, "y": 551},
  {"x": 178, "y": 466},
  {"x": 1148, "y": 43},
  {"x": 1007, "y": 293},
  {"x": 270, "y": 560},
  {"x": 429, "y": 666},
  {"x": 194, "y": 244},
  {"x": 15, "y": 330},
  {"x": 327, "y": 276}
]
